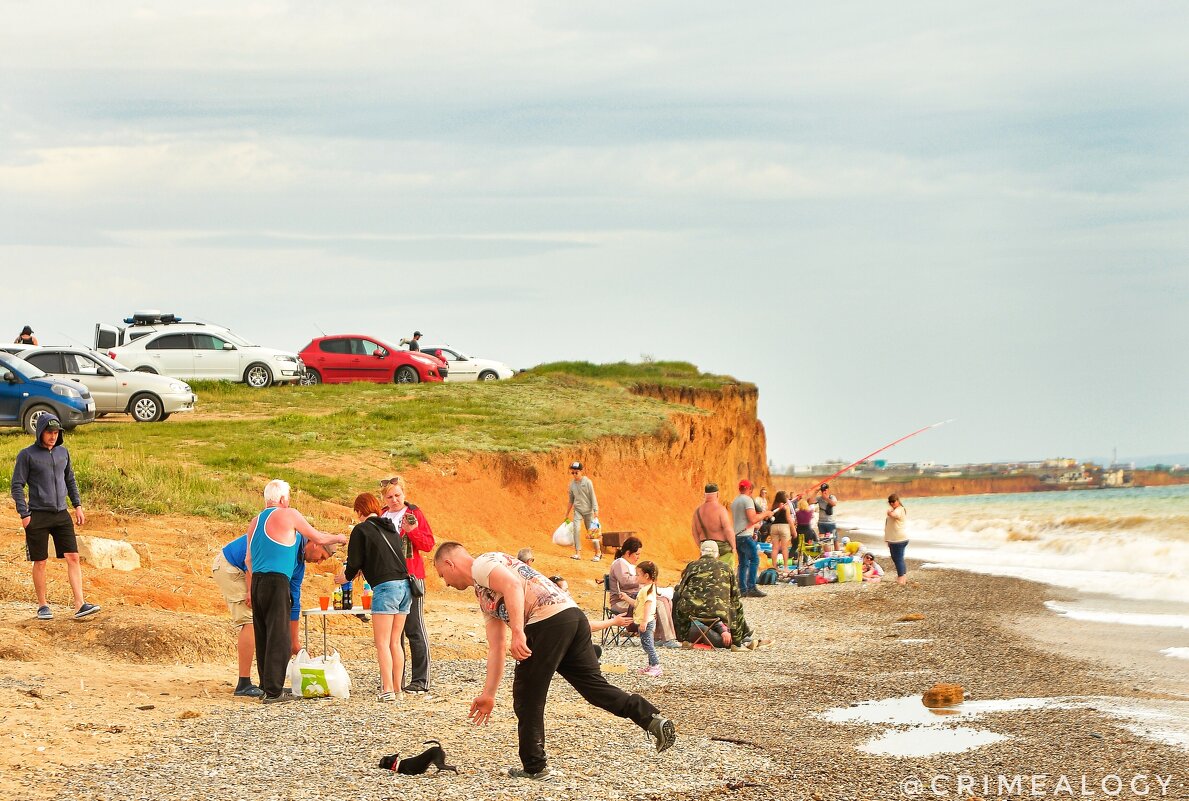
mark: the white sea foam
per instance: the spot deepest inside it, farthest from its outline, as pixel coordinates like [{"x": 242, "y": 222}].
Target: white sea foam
[
  {"x": 1124, "y": 618},
  {"x": 1129, "y": 543}
]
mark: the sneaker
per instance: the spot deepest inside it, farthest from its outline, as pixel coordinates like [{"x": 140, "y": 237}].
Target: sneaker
[
  {"x": 284, "y": 697},
  {"x": 670, "y": 644},
  {"x": 386, "y": 697},
  {"x": 598, "y": 558},
  {"x": 654, "y": 671},
  {"x": 544, "y": 774},
  {"x": 663, "y": 731},
  {"x": 86, "y": 610},
  {"x": 574, "y": 556},
  {"x": 412, "y": 690},
  {"x": 754, "y": 593},
  {"x": 251, "y": 691},
  {"x": 45, "y": 613}
]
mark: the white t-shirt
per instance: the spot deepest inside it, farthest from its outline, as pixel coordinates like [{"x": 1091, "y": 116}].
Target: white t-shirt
[
  {"x": 893, "y": 526},
  {"x": 542, "y": 598}
]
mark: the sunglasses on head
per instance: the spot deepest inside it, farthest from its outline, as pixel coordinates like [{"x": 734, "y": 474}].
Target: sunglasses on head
[{"x": 384, "y": 482}]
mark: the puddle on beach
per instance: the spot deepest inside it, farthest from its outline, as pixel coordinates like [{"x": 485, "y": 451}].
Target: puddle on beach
[
  {"x": 911, "y": 641},
  {"x": 927, "y": 741},
  {"x": 929, "y": 732},
  {"x": 1176, "y": 653}
]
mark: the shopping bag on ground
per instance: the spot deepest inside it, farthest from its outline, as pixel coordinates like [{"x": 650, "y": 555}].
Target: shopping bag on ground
[
  {"x": 318, "y": 677},
  {"x": 564, "y": 535}
]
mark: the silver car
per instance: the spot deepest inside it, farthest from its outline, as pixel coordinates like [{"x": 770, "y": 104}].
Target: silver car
[{"x": 149, "y": 398}]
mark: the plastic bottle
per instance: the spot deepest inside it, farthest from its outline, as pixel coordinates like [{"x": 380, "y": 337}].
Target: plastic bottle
[
  {"x": 338, "y": 597},
  {"x": 348, "y": 601}
]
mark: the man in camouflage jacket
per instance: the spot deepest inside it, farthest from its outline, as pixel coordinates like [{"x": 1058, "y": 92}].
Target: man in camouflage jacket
[{"x": 709, "y": 589}]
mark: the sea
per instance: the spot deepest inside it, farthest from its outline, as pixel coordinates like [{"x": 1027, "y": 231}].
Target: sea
[
  {"x": 1126, "y": 551},
  {"x": 1119, "y": 556}
]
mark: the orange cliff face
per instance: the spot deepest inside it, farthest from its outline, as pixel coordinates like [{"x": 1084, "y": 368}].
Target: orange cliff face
[{"x": 647, "y": 484}]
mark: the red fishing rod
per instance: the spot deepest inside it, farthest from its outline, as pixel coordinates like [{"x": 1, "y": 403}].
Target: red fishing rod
[{"x": 817, "y": 484}]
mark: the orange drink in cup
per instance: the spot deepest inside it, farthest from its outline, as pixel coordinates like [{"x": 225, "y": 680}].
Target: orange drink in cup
[
  {"x": 367, "y": 600},
  {"x": 324, "y": 602}
]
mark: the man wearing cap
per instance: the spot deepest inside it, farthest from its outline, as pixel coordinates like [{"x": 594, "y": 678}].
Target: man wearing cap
[
  {"x": 712, "y": 524},
  {"x": 745, "y": 518},
  {"x": 586, "y": 510},
  {"x": 708, "y": 590},
  {"x": 415, "y": 342},
  {"x": 826, "y": 503},
  {"x": 45, "y": 468}
]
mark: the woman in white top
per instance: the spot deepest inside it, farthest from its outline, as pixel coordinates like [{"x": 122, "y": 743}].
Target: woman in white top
[{"x": 895, "y": 536}]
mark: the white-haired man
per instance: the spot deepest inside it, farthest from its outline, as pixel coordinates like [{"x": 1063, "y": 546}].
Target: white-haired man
[
  {"x": 272, "y": 557},
  {"x": 550, "y": 634}
]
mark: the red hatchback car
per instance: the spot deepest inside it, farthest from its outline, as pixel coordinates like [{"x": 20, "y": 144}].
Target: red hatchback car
[{"x": 344, "y": 358}]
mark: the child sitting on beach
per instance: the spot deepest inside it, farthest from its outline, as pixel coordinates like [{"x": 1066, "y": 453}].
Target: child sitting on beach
[
  {"x": 871, "y": 569},
  {"x": 645, "y": 615}
]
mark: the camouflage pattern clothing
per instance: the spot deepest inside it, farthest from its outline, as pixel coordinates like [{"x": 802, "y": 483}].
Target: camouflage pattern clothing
[{"x": 709, "y": 589}]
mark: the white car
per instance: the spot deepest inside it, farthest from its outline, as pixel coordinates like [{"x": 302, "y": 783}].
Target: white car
[
  {"x": 468, "y": 368},
  {"x": 196, "y": 351},
  {"x": 115, "y": 388}
]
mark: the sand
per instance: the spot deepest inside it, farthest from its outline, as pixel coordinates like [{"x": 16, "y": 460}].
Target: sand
[{"x": 836, "y": 646}]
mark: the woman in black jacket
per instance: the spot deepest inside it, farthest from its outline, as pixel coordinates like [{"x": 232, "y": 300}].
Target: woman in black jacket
[{"x": 377, "y": 550}]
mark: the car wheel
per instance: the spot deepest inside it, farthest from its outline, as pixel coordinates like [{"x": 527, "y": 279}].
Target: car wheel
[
  {"x": 488, "y": 375},
  {"x": 145, "y": 408},
  {"x": 406, "y": 375},
  {"x": 32, "y": 415},
  {"x": 164, "y": 417},
  {"x": 258, "y": 376},
  {"x": 311, "y": 378},
  {"x": 149, "y": 370}
]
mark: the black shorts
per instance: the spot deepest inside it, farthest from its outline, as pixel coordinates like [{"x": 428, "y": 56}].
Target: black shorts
[{"x": 42, "y": 526}]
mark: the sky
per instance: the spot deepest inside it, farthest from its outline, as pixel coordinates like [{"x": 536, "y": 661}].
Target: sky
[{"x": 883, "y": 219}]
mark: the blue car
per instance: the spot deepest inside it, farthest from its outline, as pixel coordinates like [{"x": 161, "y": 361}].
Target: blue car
[{"x": 26, "y": 393}]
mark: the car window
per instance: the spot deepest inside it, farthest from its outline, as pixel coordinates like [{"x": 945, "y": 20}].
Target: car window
[
  {"x": 369, "y": 347},
  {"x": 110, "y": 364},
  {"x": 50, "y": 362},
  {"x": 442, "y": 353},
  {"x": 76, "y": 364},
  {"x": 22, "y": 367},
  {"x": 207, "y": 342},
  {"x": 335, "y": 346},
  {"x": 170, "y": 342}
]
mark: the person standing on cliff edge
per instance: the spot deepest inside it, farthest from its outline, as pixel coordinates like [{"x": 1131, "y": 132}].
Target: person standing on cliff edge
[{"x": 585, "y": 506}]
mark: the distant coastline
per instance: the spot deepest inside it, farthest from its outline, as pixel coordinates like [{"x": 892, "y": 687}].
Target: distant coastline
[{"x": 864, "y": 488}]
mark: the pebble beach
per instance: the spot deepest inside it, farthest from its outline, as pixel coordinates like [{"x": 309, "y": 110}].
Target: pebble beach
[{"x": 788, "y": 721}]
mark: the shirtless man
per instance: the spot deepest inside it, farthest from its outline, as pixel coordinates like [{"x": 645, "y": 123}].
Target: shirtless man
[
  {"x": 271, "y": 560},
  {"x": 712, "y": 523}
]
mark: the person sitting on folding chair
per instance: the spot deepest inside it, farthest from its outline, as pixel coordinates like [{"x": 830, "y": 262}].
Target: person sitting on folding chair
[{"x": 709, "y": 590}]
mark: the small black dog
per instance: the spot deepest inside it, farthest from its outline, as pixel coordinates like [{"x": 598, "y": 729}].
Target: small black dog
[{"x": 415, "y": 766}]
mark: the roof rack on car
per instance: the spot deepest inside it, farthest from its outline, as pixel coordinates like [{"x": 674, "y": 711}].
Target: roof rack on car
[{"x": 152, "y": 317}]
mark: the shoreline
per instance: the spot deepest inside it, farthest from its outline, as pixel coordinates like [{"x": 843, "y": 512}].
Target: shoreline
[{"x": 837, "y": 646}]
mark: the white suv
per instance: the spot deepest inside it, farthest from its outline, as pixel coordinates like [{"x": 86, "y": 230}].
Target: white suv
[{"x": 194, "y": 351}]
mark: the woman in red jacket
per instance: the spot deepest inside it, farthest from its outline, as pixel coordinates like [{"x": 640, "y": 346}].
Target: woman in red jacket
[{"x": 419, "y": 535}]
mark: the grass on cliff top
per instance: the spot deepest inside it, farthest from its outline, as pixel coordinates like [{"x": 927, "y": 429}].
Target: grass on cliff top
[
  {"x": 329, "y": 441},
  {"x": 668, "y": 374}
]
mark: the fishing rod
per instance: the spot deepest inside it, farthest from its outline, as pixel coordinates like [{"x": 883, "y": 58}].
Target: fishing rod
[{"x": 817, "y": 484}]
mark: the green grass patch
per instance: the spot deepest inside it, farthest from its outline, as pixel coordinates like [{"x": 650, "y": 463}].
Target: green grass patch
[{"x": 328, "y": 441}]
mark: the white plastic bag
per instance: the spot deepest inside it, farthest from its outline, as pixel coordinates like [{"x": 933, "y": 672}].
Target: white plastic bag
[
  {"x": 318, "y": 677},
  {"x": 564, "y": 535}
]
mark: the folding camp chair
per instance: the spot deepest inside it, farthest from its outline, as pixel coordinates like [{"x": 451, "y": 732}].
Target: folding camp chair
[
  {"x": 703, "y": 637},
  {"x": 615, "y": 635}
]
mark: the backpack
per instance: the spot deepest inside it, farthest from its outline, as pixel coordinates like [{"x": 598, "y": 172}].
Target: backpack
[{"x": 769, "y": 576}]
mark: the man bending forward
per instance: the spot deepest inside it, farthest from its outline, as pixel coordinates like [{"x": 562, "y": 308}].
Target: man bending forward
[{"x": 550, "y": 634}]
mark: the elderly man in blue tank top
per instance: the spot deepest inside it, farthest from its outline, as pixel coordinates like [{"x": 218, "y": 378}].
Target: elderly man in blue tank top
[{"x": 272, "y": 558}]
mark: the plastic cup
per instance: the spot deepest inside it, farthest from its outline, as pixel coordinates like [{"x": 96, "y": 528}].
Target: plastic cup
[
  {"x": 367, "y": 602},
  {"x": 324, "y": 602}
]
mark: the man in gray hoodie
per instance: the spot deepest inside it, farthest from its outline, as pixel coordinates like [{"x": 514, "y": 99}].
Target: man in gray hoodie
[{"x": 44, "y": 467}]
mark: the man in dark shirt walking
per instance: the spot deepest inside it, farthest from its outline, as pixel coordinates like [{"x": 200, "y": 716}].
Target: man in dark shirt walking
[{"x": 44, "y": 467}]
